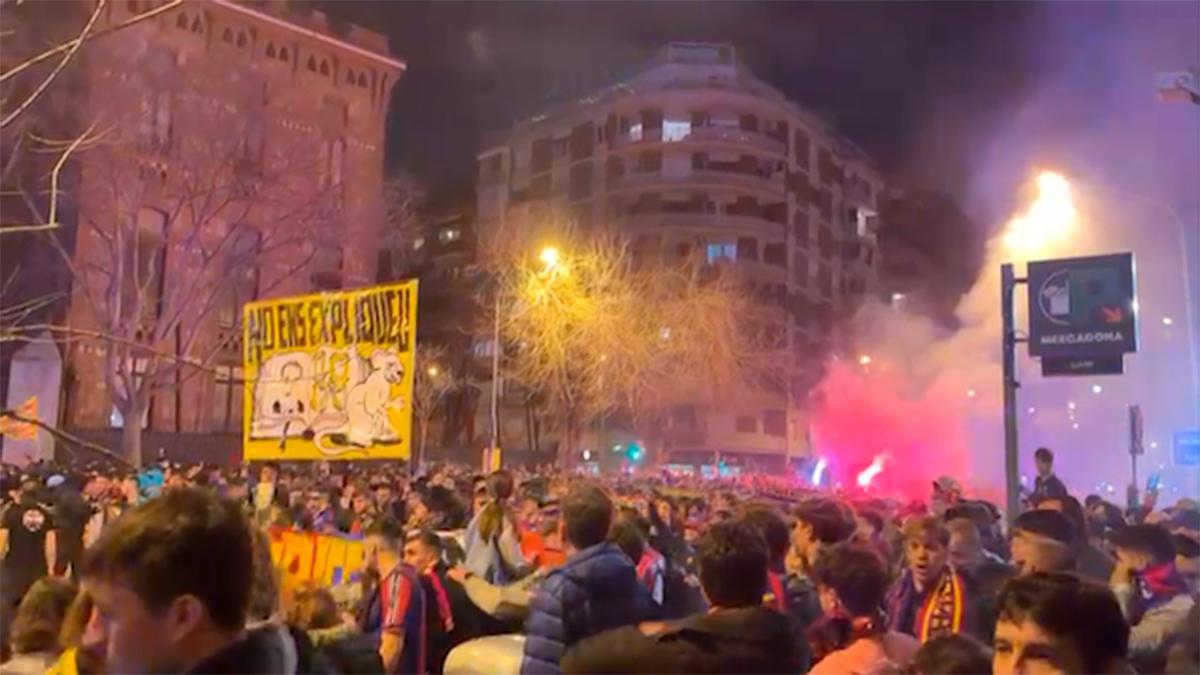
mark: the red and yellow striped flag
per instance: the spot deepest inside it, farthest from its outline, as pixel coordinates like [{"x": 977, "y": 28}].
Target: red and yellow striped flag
[{"x": 22, "y": 430}]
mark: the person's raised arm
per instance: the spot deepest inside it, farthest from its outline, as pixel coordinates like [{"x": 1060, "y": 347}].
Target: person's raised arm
[{"x": 51, "y": 550}]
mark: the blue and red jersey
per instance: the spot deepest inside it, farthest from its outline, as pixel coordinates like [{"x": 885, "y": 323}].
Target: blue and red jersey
[{"x": 402, "y": 605}]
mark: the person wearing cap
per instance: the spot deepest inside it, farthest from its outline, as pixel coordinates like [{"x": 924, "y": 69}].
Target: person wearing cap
[
  {"x": 947, "y": 493},
  {"x": 71, "y": 515},
  {"x": 28, "y": 545}
]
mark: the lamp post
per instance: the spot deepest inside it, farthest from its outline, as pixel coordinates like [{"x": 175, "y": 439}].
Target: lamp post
[{"x": 549, "y": 257}]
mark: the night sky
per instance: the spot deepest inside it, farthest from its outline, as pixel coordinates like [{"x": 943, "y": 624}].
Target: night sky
[{"x": 878, "y": 71}]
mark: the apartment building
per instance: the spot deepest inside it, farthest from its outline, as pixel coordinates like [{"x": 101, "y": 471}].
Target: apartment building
[{"x": 694, "y": 154}]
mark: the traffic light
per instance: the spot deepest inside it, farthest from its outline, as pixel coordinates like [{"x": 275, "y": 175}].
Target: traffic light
[{"x": 634, "y": 452}]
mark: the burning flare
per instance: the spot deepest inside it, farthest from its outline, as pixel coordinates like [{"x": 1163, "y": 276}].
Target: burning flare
[
  {"x": 868, "y": 474},
  {"x": 819, "y": 471},
  {"x": 1048, "y": 221}
]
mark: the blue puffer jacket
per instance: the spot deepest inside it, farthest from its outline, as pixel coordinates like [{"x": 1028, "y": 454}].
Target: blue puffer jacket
[{"x": 597, "y": 589}]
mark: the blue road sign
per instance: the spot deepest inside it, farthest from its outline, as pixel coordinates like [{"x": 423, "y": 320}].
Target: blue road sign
[{"x": 1187, "y": 447}]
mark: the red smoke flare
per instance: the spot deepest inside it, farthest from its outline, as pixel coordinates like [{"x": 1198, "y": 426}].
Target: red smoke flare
[{"x": 858, "y": 417}]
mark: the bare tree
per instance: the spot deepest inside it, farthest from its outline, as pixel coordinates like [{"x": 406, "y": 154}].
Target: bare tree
[
  {"x": 41, "y": 43},
  {"x": 433, "y": 381},
  {"x": 403, "y": 196},
  {"x": 598, "y": 329},
  {"x": 175, "y": 233}
]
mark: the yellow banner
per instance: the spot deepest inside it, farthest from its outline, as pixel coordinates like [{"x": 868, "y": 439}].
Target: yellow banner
[
  {"x": 325, "y": 560},
  {"x": 330, "y": 376}
]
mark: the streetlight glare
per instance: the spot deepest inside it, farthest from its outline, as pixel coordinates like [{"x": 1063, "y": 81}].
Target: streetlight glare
[
  {"x": 1167, "y": 321},
  {"x": 970, "y": 393},
  {"x": 433, "y": 371},
  {"x": 864, "y": 359},
  {"x": 1096, "y": 389},
  {"x": 549, "y": 257}
]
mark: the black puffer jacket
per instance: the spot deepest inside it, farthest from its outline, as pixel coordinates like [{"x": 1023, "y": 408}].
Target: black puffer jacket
[
  {"x": 268, "y": 650},
  {"x": 744, "y": 640}
]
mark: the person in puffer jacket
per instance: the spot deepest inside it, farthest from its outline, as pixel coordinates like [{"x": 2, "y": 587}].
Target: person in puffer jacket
[{"x": 596, "y": 590}]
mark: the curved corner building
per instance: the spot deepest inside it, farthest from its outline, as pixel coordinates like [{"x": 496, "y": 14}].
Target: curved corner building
[{"x": 695, "y": 154}]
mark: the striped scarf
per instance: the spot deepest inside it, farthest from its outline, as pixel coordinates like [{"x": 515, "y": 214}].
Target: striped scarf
[{"x": 940, "y": 611}]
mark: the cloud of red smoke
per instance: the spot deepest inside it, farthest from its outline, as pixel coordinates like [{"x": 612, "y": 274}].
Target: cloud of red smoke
[{"x": 860, "y": 415}]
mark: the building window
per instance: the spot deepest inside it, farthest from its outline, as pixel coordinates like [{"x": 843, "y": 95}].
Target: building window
[
  {"x": 775, "y": 423},
  {"x": 676, "y": 130},
  {"x": 155, "y": 129},
  {"x": 242, "y": 267},
  {"x": 115, "y": 419},
  {"x": 337, "y": 161},
  {"x": 775, "y": 254},
  {"x": 746, "y": 424},
  {"x": 717, "y": 252},
  {"x": 349, "y": 76},
  {"x": 143, "y": 265},
  {"x": 197, "y": 26},
  {"x": 283, "y": 54},
  {"x": 312, "y": 63},
  {"x": 362, "y": 80},
  {"x": 635, "y": 132},
  {"x": 327, "y": 269},
  {"x": 181, "y": 22},
  {"x": 242, "y": 40},
  {"x": 227, "y": 36},
  {"x": 649, "y": 162},
  {"x": 270, "y": 50},
  {"x": 227, "y": 399},
  {"x": 747, "y": 248},
  {"x": 325, "y": 68}
]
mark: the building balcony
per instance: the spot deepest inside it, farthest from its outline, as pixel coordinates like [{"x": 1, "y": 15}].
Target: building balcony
[
  {"x": 739, "y": 138},
  {"x": 717, "y": 222},
  {"x": 772, "y": 185}
]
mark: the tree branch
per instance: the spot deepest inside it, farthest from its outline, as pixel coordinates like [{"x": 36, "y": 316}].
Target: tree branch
[{"x": 45, "y": 83}]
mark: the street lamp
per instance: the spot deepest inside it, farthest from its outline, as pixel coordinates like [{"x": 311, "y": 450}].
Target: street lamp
[
  {"x": 864, "y": 360},
  {"x": 433, "y": 371},
  {"x": 550, "y": 258}
]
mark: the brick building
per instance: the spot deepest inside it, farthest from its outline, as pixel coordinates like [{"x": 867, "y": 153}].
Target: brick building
[
  {"x": 285, "y": 111},
  {"x": 694, "y": 153}
]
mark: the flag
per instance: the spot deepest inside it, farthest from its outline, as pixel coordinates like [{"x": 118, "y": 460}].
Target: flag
[{"x": 13, "y": 428}]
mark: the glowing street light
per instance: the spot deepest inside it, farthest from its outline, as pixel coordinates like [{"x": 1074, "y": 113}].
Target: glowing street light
[
  {"x": 1168, "y": 321},
  {"x": 433, "y": 371},
  {"x": 549, "y": 257},
  {"x": 1096, "y": 389},
  {"x": 1071, "y": 405},
  {"x": 970, "y": 393},
  {"x": 864, "y": 360}
]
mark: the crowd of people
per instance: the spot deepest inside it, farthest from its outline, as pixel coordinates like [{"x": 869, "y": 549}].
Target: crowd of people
[{"x": 541, "y": 571}]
